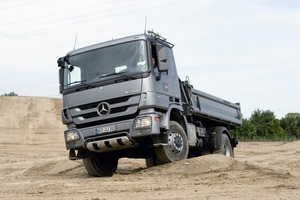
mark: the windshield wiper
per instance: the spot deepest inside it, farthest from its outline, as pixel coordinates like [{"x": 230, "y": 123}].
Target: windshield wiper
[
  {"x": 81, "y": 82},
  {"x": 120, "y": 79},
  {"x": 126, "y": 78},
  {"x": 112, "y": 74}
]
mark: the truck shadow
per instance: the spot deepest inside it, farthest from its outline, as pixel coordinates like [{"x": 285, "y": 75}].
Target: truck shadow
[{"x": 130, "y": 171}]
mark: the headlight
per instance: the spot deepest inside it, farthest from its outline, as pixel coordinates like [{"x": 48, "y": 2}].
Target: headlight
[
  {"x": 142, "y": 122},
  {"x": 71, "y": 135}
]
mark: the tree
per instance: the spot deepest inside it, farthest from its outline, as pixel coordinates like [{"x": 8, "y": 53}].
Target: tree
[
  {"x": 266, "y": 123},
  {"x": 10, "y": 94},
  {"x": 246, "y": 130},
  {"x": 291, "y": 123}
]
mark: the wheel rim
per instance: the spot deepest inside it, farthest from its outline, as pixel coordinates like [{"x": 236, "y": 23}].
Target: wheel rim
[
  {"x": 175, "y": 142},
  {"x": 227, "y": 150}
]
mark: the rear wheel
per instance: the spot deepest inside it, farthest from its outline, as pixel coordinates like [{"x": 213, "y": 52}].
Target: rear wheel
[
  {"x": 99, "y": 166},
  {"x": 177, "y": 144},
  {"x": 226, "y": 148}
]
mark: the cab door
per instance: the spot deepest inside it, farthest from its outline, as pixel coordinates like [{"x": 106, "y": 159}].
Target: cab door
[{"x": 167, "y": 81}]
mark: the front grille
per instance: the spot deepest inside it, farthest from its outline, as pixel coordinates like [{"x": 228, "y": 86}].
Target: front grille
[
  {"x": 106, "y": 121},
  {"x": 112, "y": 111},
  {"x": 110, "y": 101},
  {"x": 120, "y": 108}
]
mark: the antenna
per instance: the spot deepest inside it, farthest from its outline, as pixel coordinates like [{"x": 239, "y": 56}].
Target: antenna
[
  {"x": 75, "y": 42},
  {"x": 145, "y": 25}
]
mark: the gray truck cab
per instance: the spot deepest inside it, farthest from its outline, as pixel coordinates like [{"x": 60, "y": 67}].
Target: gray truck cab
[{"x": 123, "y": 98}]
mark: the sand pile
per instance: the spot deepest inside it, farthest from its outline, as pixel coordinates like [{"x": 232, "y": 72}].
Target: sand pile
[
  {"x": 30, "y": 113},
  {"x": 30, "y": 120}
]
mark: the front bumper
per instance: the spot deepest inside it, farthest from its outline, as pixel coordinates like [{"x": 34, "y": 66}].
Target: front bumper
[{"x": 115, "y": 135}]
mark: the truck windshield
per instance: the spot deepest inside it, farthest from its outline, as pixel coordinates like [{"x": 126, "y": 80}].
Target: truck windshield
[{"x": 105, "y": 63}]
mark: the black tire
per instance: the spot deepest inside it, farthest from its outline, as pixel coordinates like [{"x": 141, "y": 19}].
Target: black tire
[
  {"x": 226, "y": 148},
  {"x": 150, "y": 162},
  {"x": 177, "y": 144},
  {"x": 99, "y": 166}
]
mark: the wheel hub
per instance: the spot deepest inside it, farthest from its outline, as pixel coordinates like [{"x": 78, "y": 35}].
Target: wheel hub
[{"x": 175, "y": 142}]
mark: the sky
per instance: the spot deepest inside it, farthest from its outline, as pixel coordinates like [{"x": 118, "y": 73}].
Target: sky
[{"x": 245, "y": 51}]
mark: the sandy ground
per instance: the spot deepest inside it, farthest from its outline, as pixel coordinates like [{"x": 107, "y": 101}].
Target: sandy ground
[{"x": 34, "y": 165}]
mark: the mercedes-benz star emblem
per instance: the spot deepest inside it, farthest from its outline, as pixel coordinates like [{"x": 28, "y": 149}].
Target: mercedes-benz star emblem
[{"x": 103, "y": 109}]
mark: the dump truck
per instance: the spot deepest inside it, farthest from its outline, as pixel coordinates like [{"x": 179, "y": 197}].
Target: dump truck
[{"x": 124, "y": 98}]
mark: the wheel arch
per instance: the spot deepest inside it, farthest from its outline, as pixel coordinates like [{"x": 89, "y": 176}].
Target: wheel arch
[
  {"x": 217, "y": 132},
  {"x": 174, "y": 113}
]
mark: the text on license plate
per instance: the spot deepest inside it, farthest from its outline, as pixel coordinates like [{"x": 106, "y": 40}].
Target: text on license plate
[{"x": 105, "y": 129}]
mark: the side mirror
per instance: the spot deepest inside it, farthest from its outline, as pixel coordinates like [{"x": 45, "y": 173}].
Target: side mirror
[
  {"x": 61, "y": 62},
  {"x": 162, "y": 60}
]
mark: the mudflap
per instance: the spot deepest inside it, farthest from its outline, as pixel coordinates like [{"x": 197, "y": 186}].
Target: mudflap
[{"x": 233, "y": 140}]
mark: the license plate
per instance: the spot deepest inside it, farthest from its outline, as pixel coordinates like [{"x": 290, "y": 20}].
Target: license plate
[{"x": 105, "y": 129}]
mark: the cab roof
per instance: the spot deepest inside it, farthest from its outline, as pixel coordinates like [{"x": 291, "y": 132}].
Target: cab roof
[{"x": 151, "y": 36}]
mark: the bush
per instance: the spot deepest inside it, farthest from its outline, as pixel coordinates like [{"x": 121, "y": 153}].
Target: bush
[
  {"x": 263, "y": 126},
  {"x": 10, "y": 94}
]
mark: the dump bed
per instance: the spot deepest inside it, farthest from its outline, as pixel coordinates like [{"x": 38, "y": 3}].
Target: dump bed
[{"x": 215, "y": 108}]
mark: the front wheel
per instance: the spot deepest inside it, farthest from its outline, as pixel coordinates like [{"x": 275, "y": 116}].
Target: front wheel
[
  {"x": 176, "y": 144},
  {"x": 153, "y": 161},
  {"x": 99, "y": 166}
]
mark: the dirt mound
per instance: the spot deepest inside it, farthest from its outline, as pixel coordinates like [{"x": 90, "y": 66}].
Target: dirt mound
[
  {"x": 184, "y": 168},
  {"x": 194, "y": 166},
  {"x": 30, "y": 113},
  {"x": 30, "y": 120},
  {"x": 292, "y": 145},
  {"x": 60, "y": 167}
]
